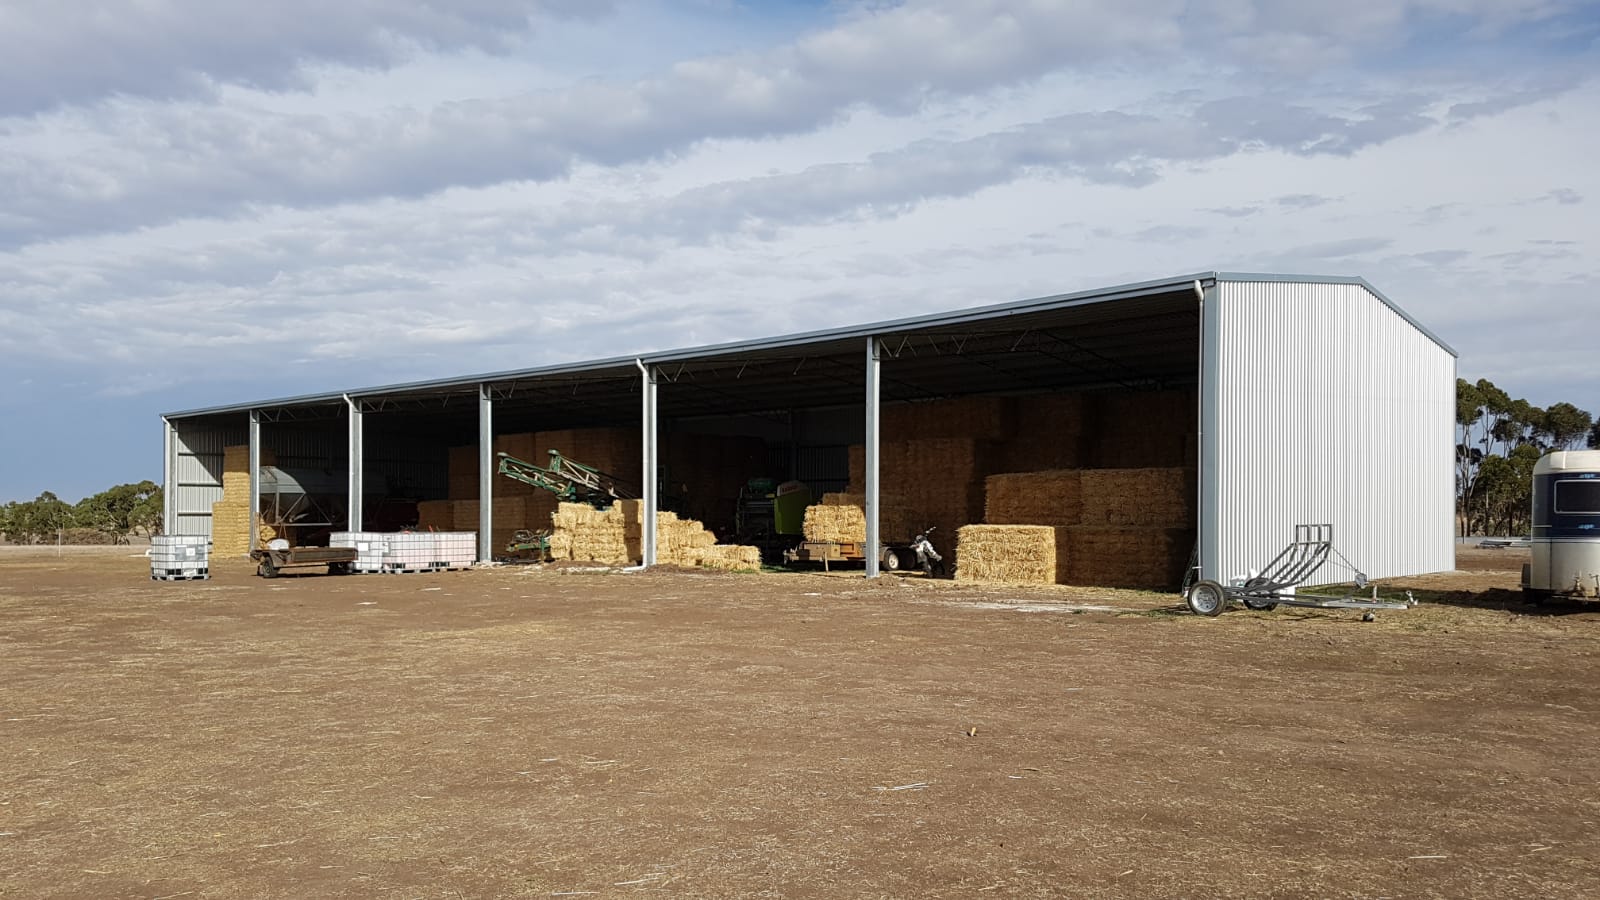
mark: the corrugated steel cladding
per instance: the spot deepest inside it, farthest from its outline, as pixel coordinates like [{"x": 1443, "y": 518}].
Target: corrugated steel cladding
[{"x": 1330, "y": 407}]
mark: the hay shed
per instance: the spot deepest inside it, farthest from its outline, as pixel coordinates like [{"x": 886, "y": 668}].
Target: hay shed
[{"x": 1208, "y": 412}]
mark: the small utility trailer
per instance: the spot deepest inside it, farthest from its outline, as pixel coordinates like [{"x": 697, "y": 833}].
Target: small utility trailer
[
  {"x": 894, "y": 558},
  {"x": 1275, "y": 585},
  {"x": 269, "y": 561}
]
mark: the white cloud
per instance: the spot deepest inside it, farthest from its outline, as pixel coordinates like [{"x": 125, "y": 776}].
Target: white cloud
[{"x": 428, "y": 190}]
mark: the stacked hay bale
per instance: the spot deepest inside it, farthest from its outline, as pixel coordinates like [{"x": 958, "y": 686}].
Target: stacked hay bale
[
  {"x": 841, "y": 518},
  {"x": 615, "y": 537},
  {"x": 706, "y": 471},
  {"x": 1141, "y": 429},
  {"x": 517, "y": 505},
  {"x": 1137, "y": 529},
  {"x": 1052, "y": 497},
  {"x": 230, "y": 516},
  {"x": 1130, "y": 528},
  {"x": 1054, "y": 433},
  {"x": 509, "y": 516},
  {"x": 437, "y": 515},
  {"x": 1029, "y": 554}
]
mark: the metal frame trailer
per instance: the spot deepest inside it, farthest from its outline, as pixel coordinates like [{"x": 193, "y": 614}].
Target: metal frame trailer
[
  {"x": 1274, "y": 586},
  {"x": 269, "y": 561}
]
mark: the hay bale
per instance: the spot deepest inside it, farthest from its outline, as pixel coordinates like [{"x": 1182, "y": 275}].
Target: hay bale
[
  {"x": 1128, "y": 556},
  {"x": 842, "y": 518},
  {"x": 980, "y": 418},
  {"x": 1033, "y": 498},
  {"x": 1051, "y": 432},
  {"x": 1139, "y": 429},
  {"x": 1018, "y": 554},
  {"x": 462, "y": 473},
  {"x": 1158, "y": 498},
  {"x": 437, "y": 515},
  {"x": 729, "y": 557}
]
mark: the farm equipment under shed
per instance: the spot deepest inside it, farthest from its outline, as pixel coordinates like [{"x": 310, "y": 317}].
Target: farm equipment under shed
[{"x": 1276, "y": 583}]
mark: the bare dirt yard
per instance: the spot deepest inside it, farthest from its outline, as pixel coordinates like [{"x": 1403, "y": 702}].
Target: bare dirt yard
[{"x": 529, "y": 732}]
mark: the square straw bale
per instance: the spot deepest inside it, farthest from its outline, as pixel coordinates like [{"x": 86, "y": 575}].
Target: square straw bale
[
  {"x": 1017, "y": 554},
  {"x": 1155, "y": 497},
  {"x": 1128, "y": 556},
  {"x": 1033, "y": 498}
]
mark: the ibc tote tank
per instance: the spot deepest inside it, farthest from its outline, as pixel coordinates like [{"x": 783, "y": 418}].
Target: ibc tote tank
[{"x": 1566, "y": 525}]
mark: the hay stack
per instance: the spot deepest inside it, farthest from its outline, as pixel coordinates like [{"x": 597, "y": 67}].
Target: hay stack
[
  {"x": 706, "y": 471},
  {"x": 842, "y": 518},
  {"x": 1050, "y": 434},
  {"x": 230, "y": 516},
  {"x": 1027, "y": 554},
  {"x": 1052, "y": 497},
  {"x": 1128, "y": 557},
  {"x": 615, "y": 537},
  {"x": 1157, "y": 498},
  {"x": 437, "y": 515},
  {"x": 981, "y": 418},
  {"x": 1138, "y": 429}
]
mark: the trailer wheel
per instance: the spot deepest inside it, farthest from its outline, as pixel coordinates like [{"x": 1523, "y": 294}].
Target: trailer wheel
[
  {"x": 1261, "y": 605},
  {"x": 1207, "y": 598},
  {"x": 891, "y": 560},
  {"x": 267, "y": 569}
]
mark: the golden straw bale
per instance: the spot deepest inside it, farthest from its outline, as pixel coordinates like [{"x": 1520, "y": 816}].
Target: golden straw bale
[
  {"x": 1033, "y": 498},
  {"x": 981, "y": 418},
  {"x": 842, "y": 518},
  {"x": 728, "y": 557},
  {"x": 1050, "y": 435},
  {"x": 1162, "y": 497},
  {"x": 436, "y": 515},
  {"x": 1128, "y": 556},
  {"x": 1020, "y": 554}
]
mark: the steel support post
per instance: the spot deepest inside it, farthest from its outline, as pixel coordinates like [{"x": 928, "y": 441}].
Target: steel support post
[
  {"x": 353, "y": 515},
  {"x": 1210, "y": 437},
  {"x": 650, "y": 463},
  {"x": 169, "y": 470},
  {"x": 485, "y": 474},
  {"x": 873, "y": 364},
  {"x": 255, "y": 479}
]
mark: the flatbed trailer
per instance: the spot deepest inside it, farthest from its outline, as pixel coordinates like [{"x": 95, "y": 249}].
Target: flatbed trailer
[
  {"x": 893, "y": 558},
  {"x": 270, "y": 560}
]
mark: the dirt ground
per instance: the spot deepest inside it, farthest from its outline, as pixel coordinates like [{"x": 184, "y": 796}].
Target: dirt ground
[{"x": 523, "y": 732}]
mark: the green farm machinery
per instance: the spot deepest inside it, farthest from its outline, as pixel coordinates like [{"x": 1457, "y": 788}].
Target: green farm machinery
[{"x": 571, "y": 481}]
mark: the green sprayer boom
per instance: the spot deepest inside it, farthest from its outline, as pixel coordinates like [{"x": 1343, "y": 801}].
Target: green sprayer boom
[{"x": 569, "y": 480}]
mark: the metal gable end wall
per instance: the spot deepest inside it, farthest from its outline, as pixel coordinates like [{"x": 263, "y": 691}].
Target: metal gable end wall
[{"x": 1329, "y": 406}]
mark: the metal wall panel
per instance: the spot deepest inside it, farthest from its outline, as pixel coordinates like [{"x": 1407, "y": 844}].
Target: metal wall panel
[
  {"x": 197, "y": 472},
  {"x": 1330, "y": 407}
]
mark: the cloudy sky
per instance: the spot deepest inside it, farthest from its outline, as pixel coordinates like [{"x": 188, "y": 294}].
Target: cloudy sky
[{"x": 209, "y": 201}]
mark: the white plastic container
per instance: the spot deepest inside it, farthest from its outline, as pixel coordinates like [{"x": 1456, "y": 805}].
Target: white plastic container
[{"x": 179, "y": 557}]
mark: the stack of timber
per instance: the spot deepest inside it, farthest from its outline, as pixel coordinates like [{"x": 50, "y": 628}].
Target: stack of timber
[
  {"x": 1131, "y": 528},
  {"x": 230, "y": 516},
  {"x": 615, "y": 537}
]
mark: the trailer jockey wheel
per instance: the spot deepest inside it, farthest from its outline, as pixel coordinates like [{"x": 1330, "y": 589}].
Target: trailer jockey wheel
[{"x": 1207, "y": 598}]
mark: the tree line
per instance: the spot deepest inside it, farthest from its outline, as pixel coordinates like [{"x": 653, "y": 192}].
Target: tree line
[
  {"x": 107, "y": 517},
  {"x": 1498, "y": 441}
]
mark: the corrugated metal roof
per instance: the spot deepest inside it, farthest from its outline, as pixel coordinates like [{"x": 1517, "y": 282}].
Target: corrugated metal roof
[{"x": 1106, "y": 350}]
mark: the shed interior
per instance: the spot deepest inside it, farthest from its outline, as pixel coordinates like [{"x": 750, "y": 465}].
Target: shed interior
[{"x": 971, "y": 407}]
